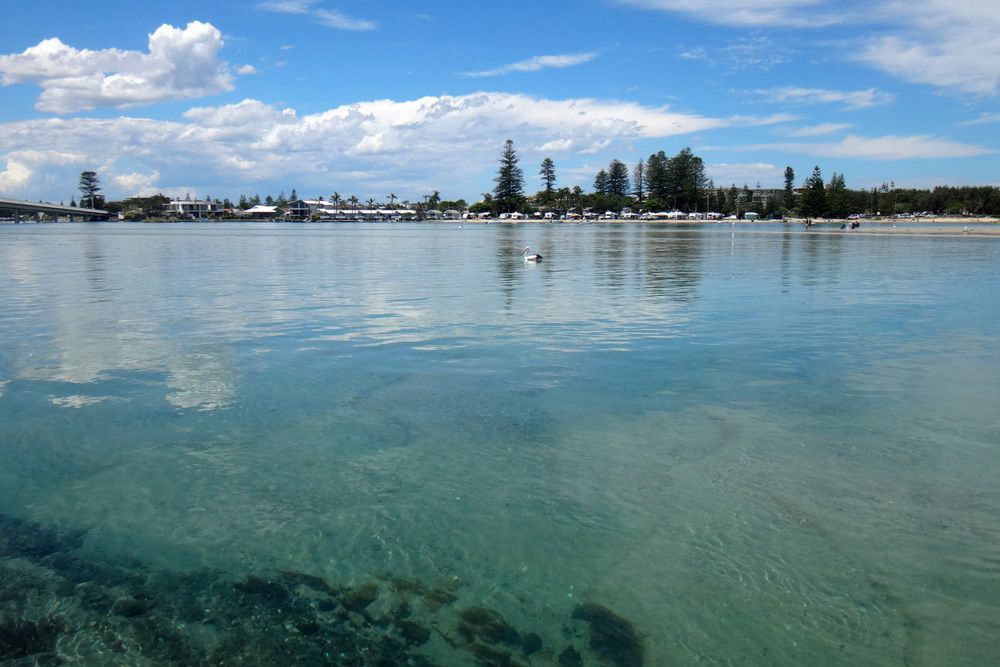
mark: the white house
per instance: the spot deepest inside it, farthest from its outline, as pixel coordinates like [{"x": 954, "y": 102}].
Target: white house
[
  {"x": 263, "y": 212},
  {"x": 193, "y": 208}
]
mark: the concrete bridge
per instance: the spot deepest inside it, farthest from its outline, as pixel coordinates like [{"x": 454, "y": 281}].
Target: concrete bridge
[{"x": 19, "y": 207}]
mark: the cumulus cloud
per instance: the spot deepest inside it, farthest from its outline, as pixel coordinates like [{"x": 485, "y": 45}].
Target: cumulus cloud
[
  {"x": 890, "y": 147},
  {"x": 788, "y": 13},
  {"x": 951, "y": 44},
  {"x": 538, "y": 63},
  {"x": 14, "y": 177},
  {"x": 852, "y": 99},
  {"x": 23, "y": 167},
  {"x": 328, "y": 17},
  {"x": 180, "y": 64},
  {"x": 138, "y": 185},
  {"x": 424, "y": 141}
]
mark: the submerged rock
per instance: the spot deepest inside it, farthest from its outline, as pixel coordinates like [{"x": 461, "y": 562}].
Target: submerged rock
[
  {"x": 414, "y": 633},
  {"x": 439, "y": 597},
  {"x": 491, "y": 657},
  {"x": 570, "y": 657},
  {"x": 207, "y": 616},
  {"x": 488, "y": 626},
  {"x": 611, "y": 636},
  {"x": 266, "y": 590},
  {"x": 309, "y": 581},
  {"x": 532, "y": 643},
  {"x": 21, "y": 638},
  {"x": 131, "y": 607},
  {"x": 357, "y": 599},
  {"x": 27, "y": 539}
]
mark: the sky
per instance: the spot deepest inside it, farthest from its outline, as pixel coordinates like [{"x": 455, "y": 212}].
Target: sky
[{"x": 407, "y": 97}]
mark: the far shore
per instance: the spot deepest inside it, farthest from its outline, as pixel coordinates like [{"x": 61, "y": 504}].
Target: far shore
[{"x": 952, "y": 226}]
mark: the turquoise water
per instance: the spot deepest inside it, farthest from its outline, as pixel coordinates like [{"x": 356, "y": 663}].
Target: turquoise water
[{"x": 737, "y": 447}]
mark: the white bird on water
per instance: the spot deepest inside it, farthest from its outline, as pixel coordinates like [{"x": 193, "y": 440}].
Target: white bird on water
[{"x": 530, "y": 258}]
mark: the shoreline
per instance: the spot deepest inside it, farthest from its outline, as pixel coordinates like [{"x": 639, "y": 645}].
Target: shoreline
[{"x": 941, "y": 227}]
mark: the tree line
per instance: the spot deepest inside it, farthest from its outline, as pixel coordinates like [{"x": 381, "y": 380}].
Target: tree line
[
  {"x": 680, "y": 183},
  {"x": 657, "y": 183}
]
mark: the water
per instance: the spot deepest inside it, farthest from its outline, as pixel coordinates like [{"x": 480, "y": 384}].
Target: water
[{"x": 749, "y": 448}]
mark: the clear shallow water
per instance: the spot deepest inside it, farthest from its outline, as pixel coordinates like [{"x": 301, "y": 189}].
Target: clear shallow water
[{"x": 755, "y": 448}]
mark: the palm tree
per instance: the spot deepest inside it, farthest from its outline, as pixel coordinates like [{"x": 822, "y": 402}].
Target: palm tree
[
  {"x": 371, "y": 202},
  {"x": 353, "y": 201},
  {"x": 392, "y": 199},
  {"x": 335, "y": 198}
]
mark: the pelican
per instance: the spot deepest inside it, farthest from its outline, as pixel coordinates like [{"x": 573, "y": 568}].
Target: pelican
[{"x": 530, "y": 258}]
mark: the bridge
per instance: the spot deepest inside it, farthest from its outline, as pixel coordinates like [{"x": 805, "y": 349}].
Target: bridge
[{"x": 18, "y": 207}]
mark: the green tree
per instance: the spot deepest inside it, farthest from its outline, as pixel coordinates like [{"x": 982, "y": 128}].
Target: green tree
[
  {"x": 789, "y": 188},
  {"x": 746, "y": 200},
  {"x": 618, "y": 185},
  {"x": 509, "y": 181},
  {"x": 656, "y": 177},
  {"x": 639, "y": 181},
  {"x": 481, "y": 207},
  {"x": 548, "y": 174},
  {"x": 294, "y": 196},
  {"x": 889, "y": 196},
  {"x": 90, "y": 185},
  {"x": 685, "y": 180},
  {"x": 733, "y": 199},
  {"x": 601, "y": 183},
  {"x": 837, "y": 201},
  {"x": 813, "y": 203}
]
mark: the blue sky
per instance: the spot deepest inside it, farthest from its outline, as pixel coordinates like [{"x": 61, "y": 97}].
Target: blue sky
[{"x": 250, "y": 97}]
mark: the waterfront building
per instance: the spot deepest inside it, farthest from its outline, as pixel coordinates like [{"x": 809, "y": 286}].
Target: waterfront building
[
  {"x": 260, "y": 212},
  {"x": 193, "y": 208}
]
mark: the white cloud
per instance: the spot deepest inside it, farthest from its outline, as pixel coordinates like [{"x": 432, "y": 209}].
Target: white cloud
[
  {"x": 853, "y": 99},
  {"x": 818, "y": 130},
  {"x": 246, "y": 69},
  {"x": 138, "y": 185},
  {"x": 328, "y": 17},
  {"x": 890, "y": 147},
  {"x": 335, "y": 19},
  {"x": 180, "y": 64},
  {"x": 983, "y": 119},
  {"x": 757, "y": 121},
  {"x": 425, "y": 142},
  {"x": 14, "y": 177},
  {"x": 538, "y": 63},
  {"x": 951, "y": 44},
  {"x": 788, "y": 13},
  {"x": 25, "y": 166},
  {"x": 287, "y": 6}
]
